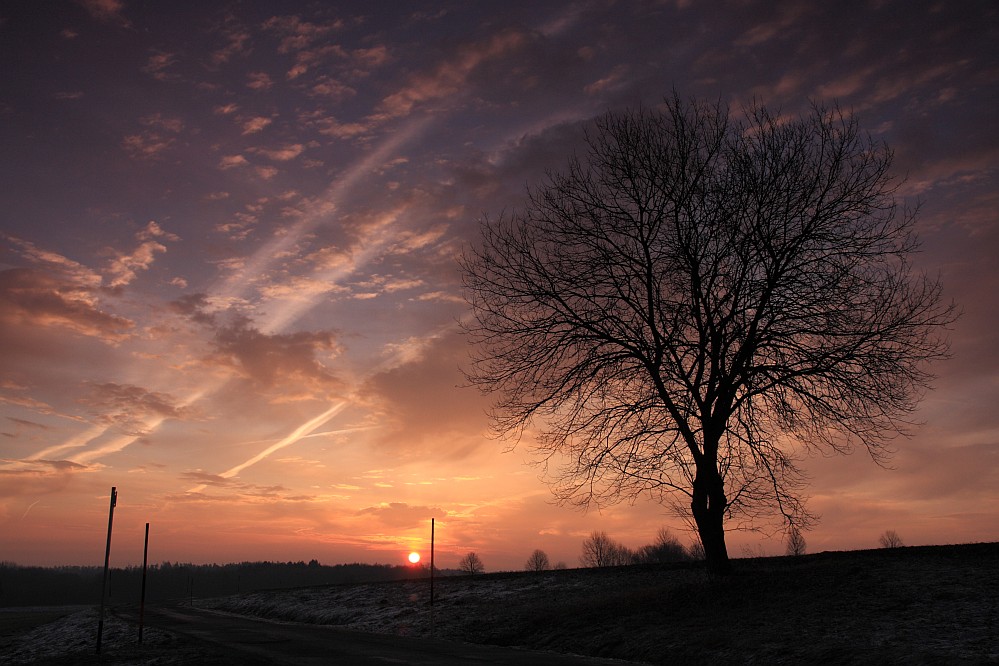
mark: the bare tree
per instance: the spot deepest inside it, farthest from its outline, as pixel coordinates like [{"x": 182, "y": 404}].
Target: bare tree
[
  {"x": 666, "y": 548},
  {"x": 697, "y": 299},
  {"x": 621, "y": 556},
  {"x": 471, "y": 564},
  {"x": 538, "y": 561},
  {"x": 599, "y": 550},
  {"x": 891, "y": 539},
  {"x": 795, "y": 542}
]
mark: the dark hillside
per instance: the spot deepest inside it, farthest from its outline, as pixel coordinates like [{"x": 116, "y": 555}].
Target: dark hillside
[{"x": 919, "y": 605}]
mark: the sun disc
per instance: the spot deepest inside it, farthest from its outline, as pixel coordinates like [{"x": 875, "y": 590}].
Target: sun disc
[{"x": 414, "y": 557}]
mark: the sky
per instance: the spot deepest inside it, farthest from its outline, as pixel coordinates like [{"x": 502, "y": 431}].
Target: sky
[{"x": 228, "y": 280}]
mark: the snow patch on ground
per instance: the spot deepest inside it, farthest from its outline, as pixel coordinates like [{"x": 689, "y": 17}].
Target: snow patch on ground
[
  {"x": 400, "y": 608},
  {"x": 76, "y": 634}
]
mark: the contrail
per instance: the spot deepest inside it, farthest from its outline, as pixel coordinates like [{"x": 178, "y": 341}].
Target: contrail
[
  {"x": 75, "y": 442},
  {"x": 29, "y": 508},
  {"x": 236, "y": 284},
  {"x": 116, "y": 444},
  {"x": 379, "y": 237},
  {"x": 306, "y": 429},
  {"x": 299, "y": 432},
  {"x": 323, "y": 433}
]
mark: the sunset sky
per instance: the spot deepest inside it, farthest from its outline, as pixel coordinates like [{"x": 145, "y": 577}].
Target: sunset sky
[{"x": 228, "y": 284}]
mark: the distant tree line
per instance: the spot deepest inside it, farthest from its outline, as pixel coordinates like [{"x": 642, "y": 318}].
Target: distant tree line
[
  {"x": 599, "y": 550},
  {"x": 29, "y": 586}
]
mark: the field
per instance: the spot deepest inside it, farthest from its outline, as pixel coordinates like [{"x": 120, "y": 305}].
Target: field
[{"x": 922, "y": 605}]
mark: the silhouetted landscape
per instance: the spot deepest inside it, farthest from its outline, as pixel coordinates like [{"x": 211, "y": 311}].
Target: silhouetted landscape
[
  {"x": 52, "y": 586},
  {"x": 926, "y": 604}
]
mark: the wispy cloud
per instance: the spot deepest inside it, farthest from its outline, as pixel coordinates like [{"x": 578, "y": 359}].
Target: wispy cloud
[
  {"x": 159, "y": 64},
  {"x": 124, "y": 268},
  {"x": 36, "y": 298},
  {"x": 320, "y": 212},
  {"x": 448, "y": 78},
  {"x": 255, "y": 124},
  {"x": 282, "y": 154},
  {"x": 111, "y": 11},
  {"x": 259, "y": 81}
]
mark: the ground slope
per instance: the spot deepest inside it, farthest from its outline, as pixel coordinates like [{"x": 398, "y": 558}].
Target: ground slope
[{"x": 923, "y": 605}]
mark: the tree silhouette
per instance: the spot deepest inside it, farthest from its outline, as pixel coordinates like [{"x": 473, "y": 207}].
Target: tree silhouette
[
  {"x": 891, "y": 539},
  {"x": 471, "y": 564},
  {"x": 795, "y": 542},
  {"x": 599, "y": 550},
  {"x": 538, "y": 561},
  {"x": 697, "y": 299},
  {"x": 666, "y": 548}
]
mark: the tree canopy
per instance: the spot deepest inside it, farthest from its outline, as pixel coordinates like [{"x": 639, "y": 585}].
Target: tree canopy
[{"x": 697, "y": 299}]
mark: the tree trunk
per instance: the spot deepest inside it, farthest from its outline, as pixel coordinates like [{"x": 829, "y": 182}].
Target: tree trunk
[{"x": 708, "y": 508}]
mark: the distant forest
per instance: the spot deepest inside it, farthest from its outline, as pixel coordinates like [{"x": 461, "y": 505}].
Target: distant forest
[{"x": 47, "y": 586}]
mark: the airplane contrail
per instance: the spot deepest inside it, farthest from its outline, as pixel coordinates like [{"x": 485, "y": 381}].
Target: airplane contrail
[
  {"x": 299, "y": 432},
  {"x": 29, "y": 508},
  {"x": 237, "y": 283},
  {"x": 306, "y": 429},
  {"x": 74, "y": 442}
]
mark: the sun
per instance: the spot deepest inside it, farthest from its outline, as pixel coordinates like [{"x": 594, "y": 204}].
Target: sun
[{"x": 414, "y": 557}]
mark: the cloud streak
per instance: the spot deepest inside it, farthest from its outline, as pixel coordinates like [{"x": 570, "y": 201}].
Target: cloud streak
[{"x": 300, "y": 432}]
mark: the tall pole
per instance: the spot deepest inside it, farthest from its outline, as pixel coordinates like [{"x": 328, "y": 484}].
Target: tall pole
[
  {"x": 431, "y": 576},
  {"x": 431, "y": 562},
  {"x": 142, "y": 597},
  {"x": 107, "y": 560}
]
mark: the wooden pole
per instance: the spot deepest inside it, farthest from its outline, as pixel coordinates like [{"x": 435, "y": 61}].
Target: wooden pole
[
  {"x": 431, "y": 576},
  {"x": 431, "y": 562},
  {"x": 107, "y": 560},
  {"x": 142, "y": 596}
]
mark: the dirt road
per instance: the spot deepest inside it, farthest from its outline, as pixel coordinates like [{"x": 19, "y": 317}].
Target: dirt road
[{"x": 252, "y": 641}]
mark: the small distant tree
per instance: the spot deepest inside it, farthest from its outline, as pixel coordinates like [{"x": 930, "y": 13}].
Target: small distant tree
[
  {"x": 891, "y": 539},
  {"x": 599, "y": 550},
  {"x": 560, "y": 565},
  {"x": 471, "y": 564},
  {"x": 696, "y": 550},
  {"x": 538, "y": 561},
  {"x": 666, "y": 548},
  {"x": 795, "y": 542}
]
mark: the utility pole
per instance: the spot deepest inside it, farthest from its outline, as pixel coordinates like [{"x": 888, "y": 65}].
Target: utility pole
[
  {"x": 431, "y": 563},
  {"x": 431, "y": 576},
  {"x": 142, "y": 597},
  {"x": 107, "y": 560}
]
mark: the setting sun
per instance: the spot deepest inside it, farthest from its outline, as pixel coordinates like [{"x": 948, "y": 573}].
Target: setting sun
[{"x": 414, "y": 558}]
